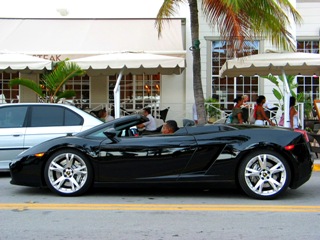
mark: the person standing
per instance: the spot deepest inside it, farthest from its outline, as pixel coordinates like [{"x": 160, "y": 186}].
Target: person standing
[
  {"x": 237, "y": 113},
  {"x": 245, "y": 99},
  {"x": 294, "y": 119},
  {"x": 245, "y": 108},
  {"x": 259, "y": 113}
]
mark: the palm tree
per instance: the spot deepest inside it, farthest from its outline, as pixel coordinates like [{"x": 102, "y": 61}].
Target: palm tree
[
  {"x": 49, "y": 90},
  {"x": 237, "y": 21}
]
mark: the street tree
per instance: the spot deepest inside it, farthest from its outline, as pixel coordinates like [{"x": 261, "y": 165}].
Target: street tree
[{"x": 237, "y": 21}]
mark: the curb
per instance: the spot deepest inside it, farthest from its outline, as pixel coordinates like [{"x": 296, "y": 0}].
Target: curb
[{"x": 316, "y": 165}]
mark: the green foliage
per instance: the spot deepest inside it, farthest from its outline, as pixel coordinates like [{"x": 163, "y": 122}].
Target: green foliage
[
  {"x": 212, "y": 107},
  {"x": 66, "y": 94},
  {"x": 29, "y": 84},
  {"x": 278, "y": 91},
  {"x": 51, "y": 83}
]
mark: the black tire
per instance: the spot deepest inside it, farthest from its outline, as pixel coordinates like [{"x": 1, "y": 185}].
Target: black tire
[
  {"x": 68, "y": 172},
  {"x": 264, "y": 174}
]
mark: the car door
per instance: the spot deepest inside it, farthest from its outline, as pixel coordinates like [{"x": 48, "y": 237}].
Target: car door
[
  {"x": 12, "y": 133},
  {"x": 50, "y": 121},
  {"x": 215, "y": 151},
  {"x": 159, "y": 158}
]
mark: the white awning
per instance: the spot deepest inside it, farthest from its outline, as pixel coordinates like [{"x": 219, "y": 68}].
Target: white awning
[
  {"x": 131, "y": 62},
  {"x": 51, "y": 38},
  {"x": 23, "y": 63}
]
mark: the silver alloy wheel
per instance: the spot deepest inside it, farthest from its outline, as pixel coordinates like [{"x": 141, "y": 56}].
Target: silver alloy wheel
[
  {"x": 265, "y": 175},
  {"x": 67, "y": 173}
]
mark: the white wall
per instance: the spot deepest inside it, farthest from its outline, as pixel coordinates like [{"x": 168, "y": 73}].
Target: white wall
[
  {"x": 26, "y": 94},
  {"x": 311, "y": 21},
  {"x": 173, "y": 96}
]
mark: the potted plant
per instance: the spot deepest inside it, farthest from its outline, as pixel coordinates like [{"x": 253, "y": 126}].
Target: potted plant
[{"x": 212, "y": 106}]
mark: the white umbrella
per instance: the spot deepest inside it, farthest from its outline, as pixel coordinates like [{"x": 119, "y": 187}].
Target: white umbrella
[
  {"x": 293, "y": 63},
  {"x": 130, "y": 62},
  {"x": 23, "y": 62}
]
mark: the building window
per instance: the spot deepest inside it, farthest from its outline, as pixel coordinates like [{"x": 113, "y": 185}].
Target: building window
[
  {"x": 308, "y": 46},
  {"x": 136, "y": 92},
  {"x": 226, "y": 89},
  {"x": 81, "y": 85},
  {"x": 8, "y": 94},
  {"x": 308, "y": 86}
]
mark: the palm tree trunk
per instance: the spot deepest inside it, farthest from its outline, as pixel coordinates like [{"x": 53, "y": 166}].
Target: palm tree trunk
[{"x": 197, "y": 84}]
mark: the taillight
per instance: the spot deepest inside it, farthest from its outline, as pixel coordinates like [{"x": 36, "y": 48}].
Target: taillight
[{"x": 289, "y": 147}]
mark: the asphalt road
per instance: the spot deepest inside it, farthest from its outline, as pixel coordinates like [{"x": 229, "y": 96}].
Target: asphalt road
[{"x": 33, "y": 213}]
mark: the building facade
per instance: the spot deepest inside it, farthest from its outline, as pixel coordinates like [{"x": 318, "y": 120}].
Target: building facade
[{"x": 70, "y": 37}]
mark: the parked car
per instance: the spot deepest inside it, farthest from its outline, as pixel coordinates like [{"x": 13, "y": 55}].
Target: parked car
[
  {"x": 24, "y": 125},
  {"x": 262, "y": 161}
]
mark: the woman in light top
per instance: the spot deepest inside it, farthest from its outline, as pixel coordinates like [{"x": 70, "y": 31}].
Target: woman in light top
[{"x": 294, "y": 119}]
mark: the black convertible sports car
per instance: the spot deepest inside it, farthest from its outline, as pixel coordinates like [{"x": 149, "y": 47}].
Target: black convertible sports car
[{"x": 262, "y": 161}]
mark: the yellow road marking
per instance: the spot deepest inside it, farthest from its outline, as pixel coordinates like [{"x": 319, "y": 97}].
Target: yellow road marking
[{"x": 158, "y": 207}]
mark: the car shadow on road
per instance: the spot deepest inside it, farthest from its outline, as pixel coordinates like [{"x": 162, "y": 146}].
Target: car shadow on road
[
  {"x": 165, "y": 192},
  {"x": 153, "y": 193}
]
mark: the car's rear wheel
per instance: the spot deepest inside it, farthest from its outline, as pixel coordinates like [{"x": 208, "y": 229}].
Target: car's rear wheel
[
  {"x": 264, "y": 174},
  {"x": 68, "y": 173}
]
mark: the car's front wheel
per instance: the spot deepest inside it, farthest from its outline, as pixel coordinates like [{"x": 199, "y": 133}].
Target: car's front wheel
[
  {"x": 68, "y": 173},
  {"x": 264, "y": 174}
]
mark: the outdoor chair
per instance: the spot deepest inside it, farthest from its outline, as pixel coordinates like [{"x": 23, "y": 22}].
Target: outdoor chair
[
  {"x": 95, "y": 113},
  {"x": 163, "y": 113},
  {"x": 188, "y": 122},
  {"x": 272, "y": 114}
]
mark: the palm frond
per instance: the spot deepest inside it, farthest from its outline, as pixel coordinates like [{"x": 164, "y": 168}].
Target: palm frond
[
  {"x": 168, "y": 9},
  {"x": 29, "y": 84},
  {"x": 65, "y": 94},
  {"x": 239, "y": 20},
  {"x": 61, "y": 74},
  {"x": 272, "y": 79}
]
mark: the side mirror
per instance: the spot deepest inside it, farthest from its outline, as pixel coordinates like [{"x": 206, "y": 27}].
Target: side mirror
[{"x": 112, "y": 135}]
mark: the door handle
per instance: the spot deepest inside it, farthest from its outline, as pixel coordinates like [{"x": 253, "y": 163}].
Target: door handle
[{"x": 17, "y": 134}]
